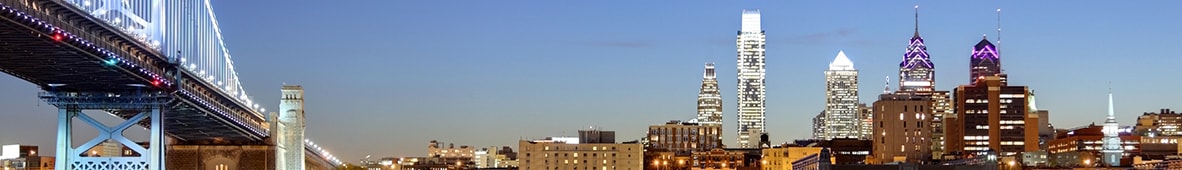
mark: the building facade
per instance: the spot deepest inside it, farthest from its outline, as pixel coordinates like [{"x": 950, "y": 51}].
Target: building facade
[
  {"x": 751, "y": 89},
  {"x": 709, "y": 99},
  {"x": 1082, "y": 147},
  {"x": 917, "y": 75},
  {"x": 290, "y": 143},
  {"x": 842, "y": 117},
  {"x": 993, "y": 116},
  {"x": 724, "y": 159},
  {"x": 1159, "y": 133},
  {"x": 24, "y": 157},
  {"x": 916, "y": 72},
  {"x": 597, "y": 136},
  {"x": 941, "y": 110},
  {"x": 1162, "y": 123},
  {"x": 990, "y": 113},
  {"x": 901, "y": 128},
  {"x": 684, "y": 138},
  {"x": 819, "y": 126},
  {"x": 781, "y": 157},
  {"x": 543, "y": 155},
  {"x": 436, "y": 149},
  {"x": 867, "y": 115},
  {"x": 849, "y": 151},
  {"x": 985, "y": 61},
  {"x": 495, "y": 157}
]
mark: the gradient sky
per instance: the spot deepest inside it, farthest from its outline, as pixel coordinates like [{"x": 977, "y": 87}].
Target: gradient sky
[{"x": 383, "y": 78}]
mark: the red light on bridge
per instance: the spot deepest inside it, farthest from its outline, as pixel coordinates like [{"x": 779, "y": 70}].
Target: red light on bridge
[
  {"x": 156, "y": 83},
  {"x": 57, "y": 37}
]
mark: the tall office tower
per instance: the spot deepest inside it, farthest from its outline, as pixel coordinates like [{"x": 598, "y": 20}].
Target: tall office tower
[
  {"x": 291, "y": 130},
  {"x": 709, "y": 99},
  {"x": 941, "y": 111},
  {"x": 916, "y": 72},
  {"x": 867, "y": 114},
  {"x": 819, "y": 126},
  {"x": 751, "y": 89},
  {"x": 985, "y": 61},
  {"x": 1112, "y": 148},
  {"x": 991, "y": 114},
  {"x": 842, "y": 117}
]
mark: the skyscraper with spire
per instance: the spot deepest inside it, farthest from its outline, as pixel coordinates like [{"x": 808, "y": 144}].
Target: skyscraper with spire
[
  {"x": 843, "y": 118},
  {"x": 751, "y": 88},
  {"x": 709, "y": 99},
  {"x": 917, "y": 76},
  {"x": 916, "y": 72}
]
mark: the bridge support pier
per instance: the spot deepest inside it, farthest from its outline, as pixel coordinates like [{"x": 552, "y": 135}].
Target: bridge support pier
[{"x": 138, "y": 108}]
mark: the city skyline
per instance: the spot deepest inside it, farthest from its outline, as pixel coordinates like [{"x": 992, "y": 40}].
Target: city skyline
[{"x": 1040, "y": 54}]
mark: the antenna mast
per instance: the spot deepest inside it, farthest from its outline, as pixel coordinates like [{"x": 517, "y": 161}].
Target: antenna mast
[{"x": 999, "y": 29}]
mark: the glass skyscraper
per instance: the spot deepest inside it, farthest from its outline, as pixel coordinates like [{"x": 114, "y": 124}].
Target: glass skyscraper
[
  {"x": 751, "y": 88},
  {"x": 843, "y": 118}
]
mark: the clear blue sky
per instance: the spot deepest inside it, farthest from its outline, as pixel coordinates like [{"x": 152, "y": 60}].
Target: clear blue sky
[{"x": 385, "y": 77}]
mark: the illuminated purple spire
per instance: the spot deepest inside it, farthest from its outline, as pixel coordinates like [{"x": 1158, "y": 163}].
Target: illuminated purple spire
[
  {"x": 984, "y": 61},
  {"x": 916, "y": 71}
]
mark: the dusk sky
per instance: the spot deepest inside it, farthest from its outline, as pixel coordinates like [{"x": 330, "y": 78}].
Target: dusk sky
[{"x": 383, "y": 78}]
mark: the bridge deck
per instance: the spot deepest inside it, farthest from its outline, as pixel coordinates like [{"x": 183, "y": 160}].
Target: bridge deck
[{"x": 33, "y": 47}]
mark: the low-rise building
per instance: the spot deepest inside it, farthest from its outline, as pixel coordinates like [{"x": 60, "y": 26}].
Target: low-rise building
[
  {"x": 436, "y": 149},
  {"x": 550, "y": 155},
  {"x": 781, "y": 157},
  {"x": 724, "y": 159},
  {"x": 24, "y": 157},
  {"x": 494, "y": 157},
  {"x": 1082, "y": 146},
  {"x": 684, "y": 138}
]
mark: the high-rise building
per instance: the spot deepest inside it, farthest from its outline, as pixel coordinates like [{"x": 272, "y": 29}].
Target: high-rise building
[
  {"x": 941, "y": 110},
  {"x": 916, "y": 72},
  {"x": 985, "y": 61},
  {"x": 290, "y": 141},
  {"x": 842, "y": 117},
  {"x": 684, "y": 138},
  {"x": 867, "y": 114},
  {"x": 751, "y": 89},
  {"x": 990, "y": 113},
  {"x": 709, "y": 99},
  {"x": 819, "y": 126},
  {"x": 901, "y": 131},
  {"x": 917, "y": 76}
]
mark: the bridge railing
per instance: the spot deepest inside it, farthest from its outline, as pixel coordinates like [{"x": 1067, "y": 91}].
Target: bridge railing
[
  {"x": 197, "y": 91},
  {"x": 50, "y": 19},
  {"x": 311, "y": 146},
  {"x": 185, "y": 31},
  {"x": 69, "y": 26}
]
